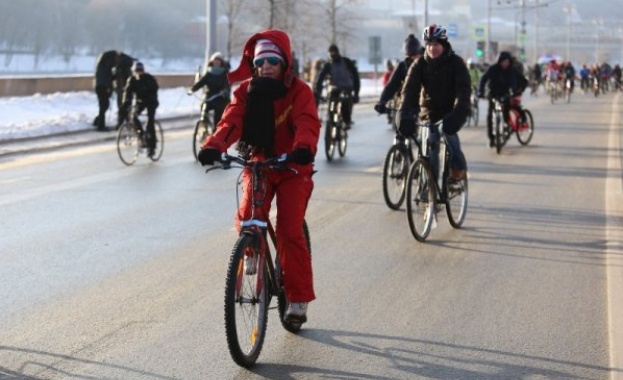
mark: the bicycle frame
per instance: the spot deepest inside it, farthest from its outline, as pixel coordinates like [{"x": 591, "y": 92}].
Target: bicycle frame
[
  {"x": 444, "y": 152},
  {"x": 259, "y": 225}
]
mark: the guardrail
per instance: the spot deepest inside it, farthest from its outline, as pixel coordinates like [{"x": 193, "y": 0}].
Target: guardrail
[{"x": 26, "y": 86}]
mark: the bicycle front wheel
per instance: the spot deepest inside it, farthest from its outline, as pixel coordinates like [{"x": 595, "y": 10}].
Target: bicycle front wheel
[
  {"x": 330, "y": 134},
  {"x": 499, "y": 134},
  {"x": 203, "y": 128},
  {"x": 525, "y": 129},
  {"x": 395, "y": 171},
  {"x": 246, "y": 302},
  {"x": 342, "y": 142},
  {"x": 475, "y": 114},
  {"x": 421, "y": 199},
  {"x": 128, "y": 143},
  {"x": 159, "y": 142}
]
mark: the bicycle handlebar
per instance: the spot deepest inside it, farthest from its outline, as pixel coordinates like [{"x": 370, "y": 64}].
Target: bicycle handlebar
[{"x": 278, "y": 163}]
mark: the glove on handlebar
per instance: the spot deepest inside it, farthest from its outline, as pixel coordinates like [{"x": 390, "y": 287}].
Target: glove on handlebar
[
  {"x": 406, "y": 127},
  {"x": 208, "y": 156},
  {"x": 301, "y": 156}
]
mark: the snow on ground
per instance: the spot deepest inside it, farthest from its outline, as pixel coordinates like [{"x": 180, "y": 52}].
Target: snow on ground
[{"x": 42, "y": 115}]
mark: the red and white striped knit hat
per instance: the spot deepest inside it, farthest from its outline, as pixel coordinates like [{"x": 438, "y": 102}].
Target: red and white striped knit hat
[{"x": 265, "y": 48}]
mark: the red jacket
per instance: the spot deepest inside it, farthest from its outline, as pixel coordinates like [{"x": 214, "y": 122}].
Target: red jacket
[{"x": 296, "y": 117}]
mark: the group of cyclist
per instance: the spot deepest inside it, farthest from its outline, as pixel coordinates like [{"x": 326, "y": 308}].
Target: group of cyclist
[
  {"x": 273, "y": 112},
  {"x": 557, "y": 76}
]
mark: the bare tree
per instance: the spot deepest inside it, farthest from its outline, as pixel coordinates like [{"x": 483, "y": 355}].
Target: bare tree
[{"x": 233, "y": 11}]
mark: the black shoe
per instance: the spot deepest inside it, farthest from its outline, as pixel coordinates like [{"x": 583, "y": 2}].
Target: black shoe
[
  {"x": 102, "y": 129},
  {"x": 491, "y": 143}
]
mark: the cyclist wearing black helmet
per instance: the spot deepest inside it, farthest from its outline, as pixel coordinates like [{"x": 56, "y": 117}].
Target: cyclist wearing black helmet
[
  {"x": 412, "y": 50},
  {"x": 145, "y": 87},
  {"x": 438, "y": 87}
]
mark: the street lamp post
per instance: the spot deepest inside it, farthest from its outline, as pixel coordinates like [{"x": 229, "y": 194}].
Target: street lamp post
[
  {"x": 488, "y": 44},
  {"x": 210, "y": 30},
  {"x": 568, "y": 8},
  {"x": 598, "y": 23}
]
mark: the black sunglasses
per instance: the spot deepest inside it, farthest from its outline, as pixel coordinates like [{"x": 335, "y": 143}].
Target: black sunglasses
[{"x": 259, "y": 62}]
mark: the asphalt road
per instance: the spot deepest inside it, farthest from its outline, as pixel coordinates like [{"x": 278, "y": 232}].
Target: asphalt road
[{"x": 115, "y": 272}]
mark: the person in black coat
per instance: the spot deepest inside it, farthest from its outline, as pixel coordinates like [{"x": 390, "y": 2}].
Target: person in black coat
[
  {"x": 501, "y": 80},
  {"x": 123, "y": 70},
  {"x": 143, "y": 87},
  {"x": 218, "y": 90},
  {"x": 438, "y": 88},
  {"x": 412, "y": 50},
  {"x": 103, "y": 85},
  {"x": 343, "y": 77}
]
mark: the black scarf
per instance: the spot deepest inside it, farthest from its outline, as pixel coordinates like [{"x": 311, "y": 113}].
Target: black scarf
[{"x": 258, "y": 129}]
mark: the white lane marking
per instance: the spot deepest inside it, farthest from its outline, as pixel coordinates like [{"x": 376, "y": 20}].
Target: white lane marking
[{"x": 614, "y": 246}]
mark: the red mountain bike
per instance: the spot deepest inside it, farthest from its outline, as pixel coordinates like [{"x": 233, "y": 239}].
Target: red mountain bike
[{"x": 253, "y": 277}]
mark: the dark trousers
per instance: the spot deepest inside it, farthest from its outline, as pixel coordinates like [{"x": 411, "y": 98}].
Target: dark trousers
[
  {"x": 346, "y": 104},
  {"x": 457, "y": 158},
  {"x": 151, "y": 120},
  {"x": 103, "y": 101},
  {"x": 218, "y": 105}
]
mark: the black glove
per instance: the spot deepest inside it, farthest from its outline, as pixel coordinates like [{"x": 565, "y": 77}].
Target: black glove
[
  {"x": 380, "y": 108},
  {"x": 301, "y": 156},
  {"x": 207, "y": 156},
  {"x": 356, "y": 99},
  {"x": 406, "y": 127}
]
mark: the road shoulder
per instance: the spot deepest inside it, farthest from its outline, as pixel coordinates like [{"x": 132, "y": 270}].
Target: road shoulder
[{"x": 614, "y": 237}]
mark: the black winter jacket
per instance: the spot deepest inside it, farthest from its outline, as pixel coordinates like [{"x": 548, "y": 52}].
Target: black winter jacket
[
  {"x": 216, "y": 81},
  {"x": 499, "y": 81},
  {"x": 145, "y": 87},
  {"x": 104, "y": 69},
  {"x": 326, "y": 70},
  {"x": 395, "y": 81},
  {"x": 438, "y": 89}
]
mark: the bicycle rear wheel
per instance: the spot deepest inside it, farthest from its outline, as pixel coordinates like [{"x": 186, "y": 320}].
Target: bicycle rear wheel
[
  {"x": 246, "y": 302},
  {"x": 203, "y": 128},
  {"x": 456, "y": 202},
  {"x": 330, "y": 135},
  {"x": 282, "y": 299},
  {"x": 395, "y": 171},
  {"x": 128, "y": 143},
  {"x": 525, "y": 129},
  {"x": 421, "y": 199},
  {"x": 475, "y": 114},
  {"x": 159, "y": 142}
]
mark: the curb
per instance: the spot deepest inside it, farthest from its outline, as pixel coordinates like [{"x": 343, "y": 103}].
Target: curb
[
  {"x": 79, "y": 138},
  {"x": 91, "y": 136}
]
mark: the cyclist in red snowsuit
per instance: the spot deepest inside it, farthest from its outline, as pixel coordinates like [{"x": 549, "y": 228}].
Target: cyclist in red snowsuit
[{"x": 273, "y": 112}]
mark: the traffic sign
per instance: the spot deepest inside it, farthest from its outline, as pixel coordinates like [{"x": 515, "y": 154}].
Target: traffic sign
[{"x": 452, "y": 30}]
